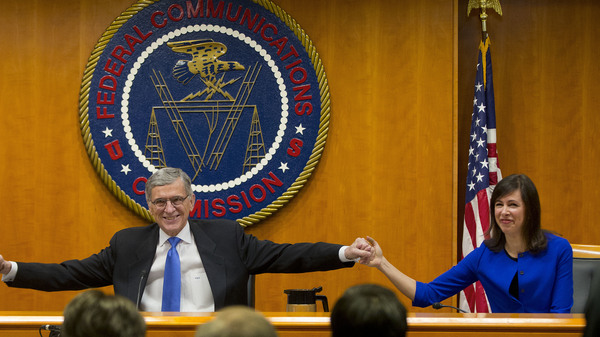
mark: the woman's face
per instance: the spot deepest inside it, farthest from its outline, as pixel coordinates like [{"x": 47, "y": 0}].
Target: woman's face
[{"x": 509, "y": 211}]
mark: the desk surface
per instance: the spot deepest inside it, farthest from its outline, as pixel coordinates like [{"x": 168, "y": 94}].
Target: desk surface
[{"x": 17, "y": 324}]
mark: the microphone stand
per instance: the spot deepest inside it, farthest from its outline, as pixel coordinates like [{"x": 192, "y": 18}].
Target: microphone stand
[
  {"x": 438, "y": 305},
  {"x": 54, "y": 330}
]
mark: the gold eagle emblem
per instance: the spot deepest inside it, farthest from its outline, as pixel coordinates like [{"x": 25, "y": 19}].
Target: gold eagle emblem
[
  {"x": 205, "y": 62},
  {"x": 484, "y": 4}
]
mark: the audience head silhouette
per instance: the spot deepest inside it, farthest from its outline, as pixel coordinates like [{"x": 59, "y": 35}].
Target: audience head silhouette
[
  {"x": 95, "y": 314},
  {"x": 237, "y": 321},
  {"x": 368, "y": 310}
]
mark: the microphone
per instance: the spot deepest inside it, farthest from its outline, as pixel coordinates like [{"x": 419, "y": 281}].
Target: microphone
[
  {"x": 438, "y": 305},
  {"x": 140, "y": 290},
  {"x": 51, "y": 327}
]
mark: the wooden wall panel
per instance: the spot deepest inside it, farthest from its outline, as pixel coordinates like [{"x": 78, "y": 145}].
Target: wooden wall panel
[
  {"x": 56, "y": 207},
  {"x": 387, "y": 168},
  {"x": 546, "y": 78},
  {"x": 389, "y": 144}
]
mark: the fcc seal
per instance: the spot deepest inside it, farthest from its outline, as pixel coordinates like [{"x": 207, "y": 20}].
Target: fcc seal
[{"x": 232, "y": 92}]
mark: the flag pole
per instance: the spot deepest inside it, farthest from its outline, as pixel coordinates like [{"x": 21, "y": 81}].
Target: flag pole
[{"x": 483, "y": 5}]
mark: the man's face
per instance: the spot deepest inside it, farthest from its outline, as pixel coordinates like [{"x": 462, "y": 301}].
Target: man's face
[{"x": 171, "y": 218}]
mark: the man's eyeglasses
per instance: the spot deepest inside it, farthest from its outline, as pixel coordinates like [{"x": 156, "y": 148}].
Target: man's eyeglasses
[{"x": 175, "y": 201}]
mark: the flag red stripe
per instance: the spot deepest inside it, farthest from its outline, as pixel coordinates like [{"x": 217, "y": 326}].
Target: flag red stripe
[
  {"x": 481, "y": 299},
  {"x": 492, "y": 150},
  {"x": 493, "y": 178},
  {"x": 471, "y": 225},
  {"x": 470, "y": 296},
  {"x": 483, "y": 206}
]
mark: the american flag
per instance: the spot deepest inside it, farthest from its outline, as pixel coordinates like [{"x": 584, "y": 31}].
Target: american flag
[{"x": 483, "y": 173}]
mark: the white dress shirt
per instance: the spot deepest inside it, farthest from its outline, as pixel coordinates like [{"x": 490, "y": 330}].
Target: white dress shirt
[{"x": 196, "y": 294}]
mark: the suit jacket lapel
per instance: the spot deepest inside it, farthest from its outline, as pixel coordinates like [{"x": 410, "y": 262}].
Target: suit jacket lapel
[
  {"x": 140, "y": 265},
  {"x": 213, "y": 263}
]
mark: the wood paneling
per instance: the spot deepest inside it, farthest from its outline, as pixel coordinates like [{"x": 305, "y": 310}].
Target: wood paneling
[
  {"x": 388, "y": 156},
  {"x": 545, "y": 79},
  {"x": 387, "y": 162},
  {"x": 387, "y": 169}
]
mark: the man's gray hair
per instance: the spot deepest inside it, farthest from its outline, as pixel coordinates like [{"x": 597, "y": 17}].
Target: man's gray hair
[
  {"x": 167, "y": 176},
  {"x": 235, "y": 321}
]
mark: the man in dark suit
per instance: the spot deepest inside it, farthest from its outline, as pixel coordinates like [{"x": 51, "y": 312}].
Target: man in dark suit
[{"x": 215, "y": 259}]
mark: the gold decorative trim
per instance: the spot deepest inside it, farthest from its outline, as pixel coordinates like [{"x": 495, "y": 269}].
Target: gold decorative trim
[{"x": 483, "y": 5}]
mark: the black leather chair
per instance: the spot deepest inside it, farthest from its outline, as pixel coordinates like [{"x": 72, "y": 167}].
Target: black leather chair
[
  {"x": 251, "y": 290},
  {"x": 586, "y": 267}
]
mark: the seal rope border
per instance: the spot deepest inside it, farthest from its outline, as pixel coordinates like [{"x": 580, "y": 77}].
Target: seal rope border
[{"x": 281, "y": 200}]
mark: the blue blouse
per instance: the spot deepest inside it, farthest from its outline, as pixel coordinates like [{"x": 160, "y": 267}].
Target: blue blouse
[{"x": 545, "y": 279}]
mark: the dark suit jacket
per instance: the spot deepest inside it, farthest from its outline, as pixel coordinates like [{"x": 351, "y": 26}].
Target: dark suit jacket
[{"x": 228, "y": 254}]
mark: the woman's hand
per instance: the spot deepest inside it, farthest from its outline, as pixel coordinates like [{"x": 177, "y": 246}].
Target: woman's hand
[
  {"x": 376, "y": 258},
  {"x": 404, "y": 283}
]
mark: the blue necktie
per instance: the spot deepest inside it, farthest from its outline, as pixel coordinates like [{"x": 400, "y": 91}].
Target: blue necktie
[{"x": 172, "y": 282}]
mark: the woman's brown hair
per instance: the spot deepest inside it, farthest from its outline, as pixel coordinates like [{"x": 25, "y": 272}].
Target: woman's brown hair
[{"x": 533, "y": 234}]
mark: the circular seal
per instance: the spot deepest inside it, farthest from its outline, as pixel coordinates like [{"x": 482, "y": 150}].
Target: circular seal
[{"x": 232, "y": 92}]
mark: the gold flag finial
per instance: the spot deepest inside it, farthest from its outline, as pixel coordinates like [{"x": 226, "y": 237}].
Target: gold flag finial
[{"x": 483, "y": 5}]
